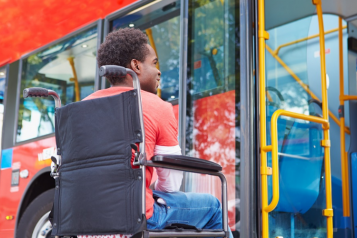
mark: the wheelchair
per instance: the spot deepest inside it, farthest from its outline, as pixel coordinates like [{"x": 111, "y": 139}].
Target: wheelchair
[{"x": 97, "y": 190}]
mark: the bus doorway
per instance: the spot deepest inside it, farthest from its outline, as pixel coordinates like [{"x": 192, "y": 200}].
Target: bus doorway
[{"x": 305, "y": 59}]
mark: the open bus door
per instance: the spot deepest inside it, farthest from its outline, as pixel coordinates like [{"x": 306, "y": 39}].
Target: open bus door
[
  {"x": 295, "y": 165},
  {"x": 305, "y": 192}
]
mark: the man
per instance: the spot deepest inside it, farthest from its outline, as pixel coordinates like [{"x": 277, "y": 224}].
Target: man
[{"x": 129, "y": 48}]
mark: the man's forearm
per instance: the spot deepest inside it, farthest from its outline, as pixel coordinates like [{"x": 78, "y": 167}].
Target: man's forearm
[{"x": 168, "y": 180}]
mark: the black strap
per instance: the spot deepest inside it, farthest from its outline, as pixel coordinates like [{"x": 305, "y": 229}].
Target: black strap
[
  {"x": 341, "y": 111},
  {"x": 181, "y": 227},
  {"x": 50, "y": 216},
  {"x": 58, "y": 141},
  {"x": 155, "y": 196},
  {"x": 141, "y": 234}
]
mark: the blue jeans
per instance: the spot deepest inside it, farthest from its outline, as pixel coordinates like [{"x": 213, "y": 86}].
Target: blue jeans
[{"x": 195, "y": 209}]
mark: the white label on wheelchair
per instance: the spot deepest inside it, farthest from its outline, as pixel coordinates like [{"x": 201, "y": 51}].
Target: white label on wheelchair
[
  {"x": 105, "y": 236},
  {"x": 47, "y": 153}
]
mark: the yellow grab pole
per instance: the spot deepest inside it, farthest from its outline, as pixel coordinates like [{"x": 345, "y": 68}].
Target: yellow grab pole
[
  {"x": 74, "y": 79},
  {"x": 304, "y": 39},
  {"x": 328, "y": 212},
  {"x": 344, "y": 163},
  {"x": 264, "y": 170},
  {"x": 152, "y": 43}
]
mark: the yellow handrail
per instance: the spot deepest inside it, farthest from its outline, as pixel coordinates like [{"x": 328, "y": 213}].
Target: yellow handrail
[
  {"x": 343, "y": 97},
  {"x": 274, "y": 148},
  {"x": 74, "y": 79},
  {"x": 328, "y": 212},
  {"x": 303, "y": 85},
  {"x": 304, "y": 39},
  {"x": 348, "y": 97},
  {"x": 264, "y": 170}
]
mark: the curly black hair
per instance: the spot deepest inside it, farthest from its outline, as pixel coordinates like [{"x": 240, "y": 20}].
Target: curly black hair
[{"x": 120, "y": 47}]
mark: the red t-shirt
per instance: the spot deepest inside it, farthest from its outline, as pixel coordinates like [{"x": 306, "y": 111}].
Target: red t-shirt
[{"x": 160, "y": 129}]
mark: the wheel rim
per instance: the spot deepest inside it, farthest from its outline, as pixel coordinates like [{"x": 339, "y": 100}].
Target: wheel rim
[{"x": 42, "y": 228}]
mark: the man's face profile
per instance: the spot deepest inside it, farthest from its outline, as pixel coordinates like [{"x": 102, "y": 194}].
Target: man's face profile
[{"x": 148, "y": 74}]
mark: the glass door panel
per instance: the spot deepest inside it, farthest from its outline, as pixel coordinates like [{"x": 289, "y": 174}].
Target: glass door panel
[{"x": 212, "y": 129}]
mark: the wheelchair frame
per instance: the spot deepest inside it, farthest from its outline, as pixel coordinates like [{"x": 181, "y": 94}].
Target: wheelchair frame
[{"x": 189, "y": 164}]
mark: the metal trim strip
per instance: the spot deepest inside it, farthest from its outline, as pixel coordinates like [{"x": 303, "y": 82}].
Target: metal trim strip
[
  {"x": 183, "y": 74},
  {"x": 248, "y": 168}
]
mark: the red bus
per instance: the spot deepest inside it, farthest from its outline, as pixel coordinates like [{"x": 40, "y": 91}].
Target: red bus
[
  {"x": 210, "y": 62},
  {"x": 68, "y": 66}
]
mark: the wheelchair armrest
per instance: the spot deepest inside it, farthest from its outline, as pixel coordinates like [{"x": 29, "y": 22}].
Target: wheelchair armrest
[
  {"x": 185, "y": 163},
  {"x": 195, "y": 165}
]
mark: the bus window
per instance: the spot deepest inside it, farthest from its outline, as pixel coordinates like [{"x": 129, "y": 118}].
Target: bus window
[
  {"x": 68, "y": 68},
  {"x": 212, "y": 64},
  {"x": 2, "y": 92},
  {"x": 161, "y": 23},
  {"x": 213, "y": 97}
]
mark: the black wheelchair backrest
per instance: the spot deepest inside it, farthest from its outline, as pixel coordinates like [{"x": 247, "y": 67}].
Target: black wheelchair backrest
[{"x": 97, "y": 191}]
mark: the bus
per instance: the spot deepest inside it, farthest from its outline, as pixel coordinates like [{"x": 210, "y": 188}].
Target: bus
[{"x": 266, "y": 88}]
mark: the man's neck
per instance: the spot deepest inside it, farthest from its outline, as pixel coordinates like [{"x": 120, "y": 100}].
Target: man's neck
[
  {"x": 127, "y": 83},
  {"x": 122, "y": 86}
]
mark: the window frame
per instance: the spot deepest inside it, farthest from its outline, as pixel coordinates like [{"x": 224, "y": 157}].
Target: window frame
[
  {"x": 249, "y": 123},
  {"x": 97, "y": 23}
]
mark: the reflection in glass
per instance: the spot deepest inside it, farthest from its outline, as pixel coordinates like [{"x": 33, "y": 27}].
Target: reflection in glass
[
  {"x": 161, "y": 22},
  {"x": 68, "y": 68},
  {"x": 213, "y": 97},
  {"x": 3, "y": 75},
  {"x": 2, "y": 83}
]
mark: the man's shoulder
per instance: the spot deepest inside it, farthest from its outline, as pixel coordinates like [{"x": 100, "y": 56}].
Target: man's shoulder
[
  {"x": 107, "y": 92},
  {"x": 156, "y": 108},
  {"x": 153, "y": 100}
]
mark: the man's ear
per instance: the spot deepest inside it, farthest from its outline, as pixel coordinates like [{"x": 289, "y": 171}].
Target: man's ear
[{"x": 135, "y": 65}]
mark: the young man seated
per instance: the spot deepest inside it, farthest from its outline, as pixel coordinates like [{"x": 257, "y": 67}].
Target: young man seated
[{"x": 129, "y": 48}]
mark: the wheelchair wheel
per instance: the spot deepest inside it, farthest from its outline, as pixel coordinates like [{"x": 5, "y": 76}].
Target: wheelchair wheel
[{"x": 34, "y": 222}]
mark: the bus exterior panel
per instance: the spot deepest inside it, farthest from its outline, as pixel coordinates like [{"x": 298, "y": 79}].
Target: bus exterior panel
[
  {"x": 34, "y": 158},
  {"x": 41, "y": 23},
  {"x": 25, "y": 171}
]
